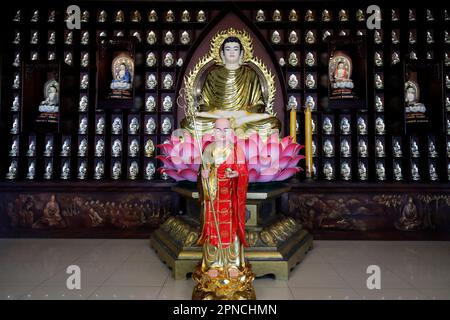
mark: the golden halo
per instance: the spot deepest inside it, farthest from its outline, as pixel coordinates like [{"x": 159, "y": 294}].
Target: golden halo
[
  {"x": 192, "y": 80},
  {"x": 336, "y": 59},
  {"x": 125, "y": 58},
  {"x": 48, "y": 84},
  {"x": 415, "y": 86},
  {"x": 219, "y": 38}
]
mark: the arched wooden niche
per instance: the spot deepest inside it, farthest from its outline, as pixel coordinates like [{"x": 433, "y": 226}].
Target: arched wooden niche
[{"x": 261, "y": 50}]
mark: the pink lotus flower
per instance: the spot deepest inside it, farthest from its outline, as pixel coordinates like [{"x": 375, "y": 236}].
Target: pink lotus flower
[{"x": 272, "y": 160}]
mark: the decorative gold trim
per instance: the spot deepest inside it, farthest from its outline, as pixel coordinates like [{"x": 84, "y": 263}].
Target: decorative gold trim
[
  {"x": 250, "y": 195},
  {"x": 278, "y": 261},
  {"x": 223, "y": 287}
]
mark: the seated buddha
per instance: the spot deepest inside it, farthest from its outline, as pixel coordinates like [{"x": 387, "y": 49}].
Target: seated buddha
[
  {"x": 340, "y": 70},
  {"x": 122, "y": 77},
  {"x": 232, "y": 90},
  {"x": 49, "y": 107},
  {"x": 415, "y": 110}
]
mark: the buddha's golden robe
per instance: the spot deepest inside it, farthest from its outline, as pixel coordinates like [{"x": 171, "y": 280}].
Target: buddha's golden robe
[{"x": 236, "y": 95}]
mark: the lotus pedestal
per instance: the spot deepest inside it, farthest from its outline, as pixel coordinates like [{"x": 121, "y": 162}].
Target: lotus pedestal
[{"x": 277, "y": 243}]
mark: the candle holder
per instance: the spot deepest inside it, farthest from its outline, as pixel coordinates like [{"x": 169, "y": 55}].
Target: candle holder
[{"x": 308, "y": 144}]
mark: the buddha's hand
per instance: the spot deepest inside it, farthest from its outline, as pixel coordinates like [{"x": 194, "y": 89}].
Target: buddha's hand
[{"x": 205, "y": 173}]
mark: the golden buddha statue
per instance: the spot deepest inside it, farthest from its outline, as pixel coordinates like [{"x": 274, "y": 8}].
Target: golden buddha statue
[{"x": 237, "y": 87}]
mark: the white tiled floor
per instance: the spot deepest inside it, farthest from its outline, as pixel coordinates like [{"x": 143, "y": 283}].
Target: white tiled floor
[{"x": 129, "y": 269}]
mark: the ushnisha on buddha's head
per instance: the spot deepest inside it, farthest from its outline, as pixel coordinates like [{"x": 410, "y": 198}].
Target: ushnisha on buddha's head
[{"x": 232, "y": 52}]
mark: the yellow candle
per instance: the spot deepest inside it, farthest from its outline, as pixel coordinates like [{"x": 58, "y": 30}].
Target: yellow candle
[
  {"x": 293, "y": 124},
  {"x": 308, "y": 143}
]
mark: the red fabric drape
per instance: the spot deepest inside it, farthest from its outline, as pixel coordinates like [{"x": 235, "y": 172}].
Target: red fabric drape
[{"x": 229, "y": 203}]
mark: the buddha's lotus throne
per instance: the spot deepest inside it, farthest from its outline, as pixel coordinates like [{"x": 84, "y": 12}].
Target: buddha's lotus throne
[{"x": 229, "y": 82}]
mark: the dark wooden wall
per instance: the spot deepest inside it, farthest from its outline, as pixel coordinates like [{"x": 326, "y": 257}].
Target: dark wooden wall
[{"x": 331, "y": 210}]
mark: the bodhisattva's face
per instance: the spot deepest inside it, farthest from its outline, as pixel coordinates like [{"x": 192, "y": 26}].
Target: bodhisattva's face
[
  {"x": 231, "y": 52},
  {"x": 222, "y": 130}
]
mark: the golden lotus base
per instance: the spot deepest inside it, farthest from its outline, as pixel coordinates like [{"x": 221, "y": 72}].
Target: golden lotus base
[
  {"x": 222, "y": 287},
  {"x": 276, "y": 243},
  {"x": 277, "y": 260}
]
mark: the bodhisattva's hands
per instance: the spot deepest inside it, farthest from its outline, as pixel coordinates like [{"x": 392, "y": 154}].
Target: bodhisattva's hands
[{"x": 232, "y": 174}]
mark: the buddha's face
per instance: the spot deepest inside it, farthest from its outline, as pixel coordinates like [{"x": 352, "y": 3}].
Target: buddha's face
[
  {"x": 362, "y": 169},
  {"x": 410, "y": 95},
  {"x": 166, "y": 125},
  {"x": 150, "y": 170},
  {"x": 231, "y": 52}
]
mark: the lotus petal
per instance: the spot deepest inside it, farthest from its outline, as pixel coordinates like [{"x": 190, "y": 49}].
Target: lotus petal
[
  {"x": 189, "y": 174},
  {"x": 167, "y": 162},
  {"x": 206, "y": 139},
  {"x": 173, "y": 174},
  {"x": 286, "y": 173},
  {"x": 207, "y": 143},
  {"x": 271, "y": 150},
  {"x": 286, "y": 141},
  {"x": 253, "y": 161},
  {"x": 250, "y": 149},
  {"x": 291, "y": 150},
  {"x": 178, "y": 162},
  {"x": 284, "y": 161},
  {"x": 253, "y": 175},
  {"x": 257, "y": 139},
  {"x": 187, "y": 138},
  {"x": 174, "y": 139},
  {"x": 274, "y": 159},
  {"x": 265, "y": 162},
  {"x": 196, "y": 163},
  {"x": 273, "y": 138},
  {"x": 166, "y": 148},
  {"x": 267, "y": 174},
  {"x": 188, "y": 152},
  {"x": 294, "y": 161}
]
